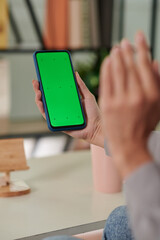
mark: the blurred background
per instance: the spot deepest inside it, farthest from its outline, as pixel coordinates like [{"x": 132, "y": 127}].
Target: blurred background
[{"x": 87, "y": 28}]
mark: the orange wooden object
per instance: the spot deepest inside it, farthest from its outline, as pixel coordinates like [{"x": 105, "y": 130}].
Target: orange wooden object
[
  {"x": 3, "y": 24},
  {"x": 56, "y": 24}
]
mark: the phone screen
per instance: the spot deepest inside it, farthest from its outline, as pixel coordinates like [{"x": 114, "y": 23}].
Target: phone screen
[{"x": 59, "y": 88}]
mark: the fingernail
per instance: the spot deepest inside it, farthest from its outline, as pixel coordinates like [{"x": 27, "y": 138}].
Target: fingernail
[
  {"x": 116, "y": 51},
  {"x": 140, "y": 37},
  {"x": 125, "y": 44},
  {"x": 77, "y": 74},
  {"x": 113, "y": 49}
]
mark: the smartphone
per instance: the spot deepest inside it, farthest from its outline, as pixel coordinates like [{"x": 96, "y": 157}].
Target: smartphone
[{"x": 60, "y": 95}]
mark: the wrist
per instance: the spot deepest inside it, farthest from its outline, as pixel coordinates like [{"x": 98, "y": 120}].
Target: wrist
[
  {"x": 131, "y": 159},
  {"x": 98, "y": 136}
]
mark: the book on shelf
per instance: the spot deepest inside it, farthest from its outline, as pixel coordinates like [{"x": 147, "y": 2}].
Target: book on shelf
[
  {"x": 94, "y": 23},
  {"x": 78, "y": 23},
  {"x": 86, "y": 23},
  {"x": 105, "y": 18},
  {"x": 83, "y": 24},
  {"x": 3, "y": 24},
  {"x": 75, "y": 24},
  {"x": 56, "y": 24}
]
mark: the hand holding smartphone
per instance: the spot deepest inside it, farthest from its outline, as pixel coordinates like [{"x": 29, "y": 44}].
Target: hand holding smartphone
[{"x": 60, "y": 95}]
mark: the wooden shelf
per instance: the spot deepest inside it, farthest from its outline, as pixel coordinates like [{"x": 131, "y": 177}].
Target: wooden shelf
[
  {"x": 13, "y": 129},
  {"x": 31, "y": 50}
]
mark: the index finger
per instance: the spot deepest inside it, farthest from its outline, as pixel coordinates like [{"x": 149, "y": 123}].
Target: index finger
[{"x": 144, "y": 64}]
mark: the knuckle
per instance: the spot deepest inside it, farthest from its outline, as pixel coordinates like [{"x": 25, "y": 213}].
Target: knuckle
[
  {"x": 36, "y": 99},
  {"x": 119, "y": 104},
  {"x": 92, "y": 96},
  {"x": 116, "y": 105},
  {"x": 39, "y": 94},
  {"x": 145, "y": 62},
  {"x": 137, "y": 101},
  {"x": 120, "y": 69},
  {"x": 154, "y": 97},
  {"x": 106, "y": 107}
]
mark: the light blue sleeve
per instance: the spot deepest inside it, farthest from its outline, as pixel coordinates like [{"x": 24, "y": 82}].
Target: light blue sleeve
[
  {"x": 154, "y": 146},
  {"x": 142, "y": 193}
]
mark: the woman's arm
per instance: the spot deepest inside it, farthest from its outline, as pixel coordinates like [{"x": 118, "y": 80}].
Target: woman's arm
[{"x": 130, "y": 104}]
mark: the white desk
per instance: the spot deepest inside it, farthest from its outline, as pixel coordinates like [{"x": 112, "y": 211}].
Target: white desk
[{"x": 62, "y": 196}]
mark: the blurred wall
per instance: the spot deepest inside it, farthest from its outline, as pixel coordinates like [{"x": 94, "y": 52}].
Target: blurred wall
[{"x": 137, "y": 14}]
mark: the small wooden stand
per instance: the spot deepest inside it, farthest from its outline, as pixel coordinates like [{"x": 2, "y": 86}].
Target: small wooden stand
[{"x": 12, "y": 158}]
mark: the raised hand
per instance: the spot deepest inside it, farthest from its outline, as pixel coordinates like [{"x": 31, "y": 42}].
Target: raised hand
[{"x": 130, "y": 103}]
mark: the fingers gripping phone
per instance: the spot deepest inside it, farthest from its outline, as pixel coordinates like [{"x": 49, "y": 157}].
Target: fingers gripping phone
[{"x": 59, "y": 89}]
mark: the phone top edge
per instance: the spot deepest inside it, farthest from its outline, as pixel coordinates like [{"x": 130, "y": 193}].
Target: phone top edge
[{"x": 58, "y": 50}]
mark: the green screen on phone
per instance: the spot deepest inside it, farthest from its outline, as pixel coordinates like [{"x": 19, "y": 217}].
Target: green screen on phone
[{"x": 59, "y": 88}]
